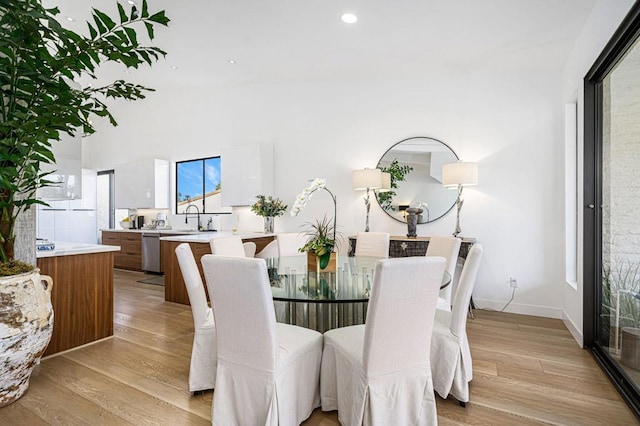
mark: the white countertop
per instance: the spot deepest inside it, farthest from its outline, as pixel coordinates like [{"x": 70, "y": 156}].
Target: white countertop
[
  {"x": 204, "y": 237},
  {"x": 161, "y": 231},
  {"x": 68, "y": 249}
]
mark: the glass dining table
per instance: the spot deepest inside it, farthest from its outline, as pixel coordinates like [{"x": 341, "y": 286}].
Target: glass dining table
[{"x": 323, "y": 300}]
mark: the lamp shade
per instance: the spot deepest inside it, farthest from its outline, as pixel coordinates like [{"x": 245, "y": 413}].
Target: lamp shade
[
  {"x": 460, "y": 173},
  {"x": 367, "y": 178},
  {"x": 386, "y": 182}
]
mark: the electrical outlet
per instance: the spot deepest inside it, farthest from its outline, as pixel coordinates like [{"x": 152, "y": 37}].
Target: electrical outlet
[{"x": 513, "y": 282}]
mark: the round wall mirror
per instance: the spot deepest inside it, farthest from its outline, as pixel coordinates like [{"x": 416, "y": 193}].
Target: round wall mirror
[{"x": 415, "y": 166}]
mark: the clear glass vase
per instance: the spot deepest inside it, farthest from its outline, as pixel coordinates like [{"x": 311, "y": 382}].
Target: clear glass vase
[{"x": 269, "y": 222}]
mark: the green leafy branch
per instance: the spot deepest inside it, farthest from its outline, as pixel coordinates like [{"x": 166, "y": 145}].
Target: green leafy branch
[
  {"x": 39, "y": 59},
  {"x": 397, "y": 173}
]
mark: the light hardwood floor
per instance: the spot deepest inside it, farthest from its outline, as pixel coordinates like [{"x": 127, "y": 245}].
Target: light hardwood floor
[{"x": 527, "y": 370}]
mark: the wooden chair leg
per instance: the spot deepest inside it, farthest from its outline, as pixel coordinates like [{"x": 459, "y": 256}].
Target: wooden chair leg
[{"x": 472, "y": 306}]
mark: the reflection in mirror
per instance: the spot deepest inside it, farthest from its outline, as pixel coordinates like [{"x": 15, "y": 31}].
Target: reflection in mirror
[{"x": 415, "y": 165}]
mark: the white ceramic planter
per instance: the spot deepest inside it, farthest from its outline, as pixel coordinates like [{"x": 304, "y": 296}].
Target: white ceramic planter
[{"x": 26, "y": 324}]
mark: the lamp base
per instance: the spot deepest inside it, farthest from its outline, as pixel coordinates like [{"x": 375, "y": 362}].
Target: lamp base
[{"x": 459, "y": 203}]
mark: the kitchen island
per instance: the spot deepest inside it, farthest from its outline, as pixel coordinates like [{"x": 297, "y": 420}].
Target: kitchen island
[
  {"x": 82, "y": 293},
  {"x": 130, "y": 242},
  {"x": 174, "y": 288}
]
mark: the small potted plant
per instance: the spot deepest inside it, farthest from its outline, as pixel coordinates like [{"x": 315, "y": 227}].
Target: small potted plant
[
  {"x": 268, "y": 207},
  {"x": 320, "y": 245}
]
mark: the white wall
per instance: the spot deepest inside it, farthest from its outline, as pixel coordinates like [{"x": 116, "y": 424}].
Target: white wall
[
  {"x": 508, "y": 118},
  {"x": 602, "y": 23}
]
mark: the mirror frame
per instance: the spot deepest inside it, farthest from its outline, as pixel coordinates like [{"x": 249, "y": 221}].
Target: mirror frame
[{"x": 456, "y": 158}]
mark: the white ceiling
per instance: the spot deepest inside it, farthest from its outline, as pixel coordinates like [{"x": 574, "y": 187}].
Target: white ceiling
[{"x": 284, "y": 40}]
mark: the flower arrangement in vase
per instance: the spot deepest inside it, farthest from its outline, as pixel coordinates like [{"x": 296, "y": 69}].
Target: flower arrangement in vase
[
  {"x": 322, "y": 233},
  {"x": 268, "y": 207}
]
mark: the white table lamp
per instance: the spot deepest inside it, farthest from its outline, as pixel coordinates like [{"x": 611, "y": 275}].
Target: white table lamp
[
  {"x": 458, "y": 175},
  {"x": 367, "y": 179},
  {"x": 386, "y": 182}
]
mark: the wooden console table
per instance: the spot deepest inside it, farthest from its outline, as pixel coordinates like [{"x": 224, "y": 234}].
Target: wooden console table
[{"x": 405, "y": 247}]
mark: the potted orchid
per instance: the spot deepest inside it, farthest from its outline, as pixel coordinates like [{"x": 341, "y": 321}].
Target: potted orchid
[{"x": 322, "y": 233}]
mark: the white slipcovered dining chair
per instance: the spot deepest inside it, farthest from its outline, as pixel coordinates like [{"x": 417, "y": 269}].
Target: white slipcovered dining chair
[
  {"x": 380, "y": 373},
  {"x": 449, "y": 248},
  {"x": 290, "y": 259},
  {"x": 370, "y": 247},
  {"x": 450, "y": 354},
  {"x": 374, "y": 244},
  {"x": 268, "y": 372},
  {"x": 269, "y": 251},
  {"x": 204, "y": 357},
  {"x": 249, "y": 249},
  {"x": 232, "y": 246},
  {"x": 289, "y": 243}
]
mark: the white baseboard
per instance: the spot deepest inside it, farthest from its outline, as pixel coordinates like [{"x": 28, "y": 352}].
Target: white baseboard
[
  {"x": 573, "y": 329},
  {"x": 520, "y": 308}
]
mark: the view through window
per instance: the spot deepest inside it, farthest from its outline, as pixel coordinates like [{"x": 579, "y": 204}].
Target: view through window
[
  {"x": 619, "y": 319},
  {"x": 198, "y": 184}
]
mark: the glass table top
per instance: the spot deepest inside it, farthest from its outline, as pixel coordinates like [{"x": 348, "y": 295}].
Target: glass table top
[{"x": 291, "y": 281}]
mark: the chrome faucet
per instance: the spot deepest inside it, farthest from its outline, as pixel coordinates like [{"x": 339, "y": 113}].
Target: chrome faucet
[{"x": 186, "y": 216}]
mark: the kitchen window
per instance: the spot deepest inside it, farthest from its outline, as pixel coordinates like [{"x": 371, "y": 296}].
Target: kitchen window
[{"x": 198, "y": 183}]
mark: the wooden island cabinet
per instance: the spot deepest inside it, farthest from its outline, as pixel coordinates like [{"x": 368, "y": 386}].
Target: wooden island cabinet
[
  {"x": 130, "y": 255},
  {"x": 82, "y": 293},
  {"x": 174, "y": 287}
]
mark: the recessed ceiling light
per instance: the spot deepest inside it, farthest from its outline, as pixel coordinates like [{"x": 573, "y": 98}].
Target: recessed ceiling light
[
  {"x": 69, "y": 18},
  {"x": 173, "y": 67},
  {"x": 132, "y": 2},
  {"x": 231, "y": 61},
  {"x": 349, "y": 18}
]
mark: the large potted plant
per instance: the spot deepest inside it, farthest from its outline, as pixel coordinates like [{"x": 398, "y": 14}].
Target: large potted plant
[{"x": 39, "y": 60}]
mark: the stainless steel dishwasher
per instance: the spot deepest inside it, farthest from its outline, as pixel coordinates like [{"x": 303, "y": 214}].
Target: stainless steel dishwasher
[{"x": 151, "y": 251}]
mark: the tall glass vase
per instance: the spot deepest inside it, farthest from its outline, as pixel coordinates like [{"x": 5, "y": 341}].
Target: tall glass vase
[{"x": 269, "y": 222}]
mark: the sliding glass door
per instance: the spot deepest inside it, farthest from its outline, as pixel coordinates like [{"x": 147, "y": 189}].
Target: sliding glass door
[{"x": 612, "y": 211}]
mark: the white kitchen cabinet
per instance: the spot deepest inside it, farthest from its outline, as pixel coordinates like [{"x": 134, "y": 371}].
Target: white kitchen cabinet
[
  {"x": 71, "y": 221},
  {"x": 142, "y": 184},
  {"x": 66, "y": 173},
  {"x": 246, "y": 172},
  {"x": 88, "y": 201}
]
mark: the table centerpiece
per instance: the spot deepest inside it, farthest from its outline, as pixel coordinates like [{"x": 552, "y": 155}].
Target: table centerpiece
[{"x": 321, "y": 234}]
